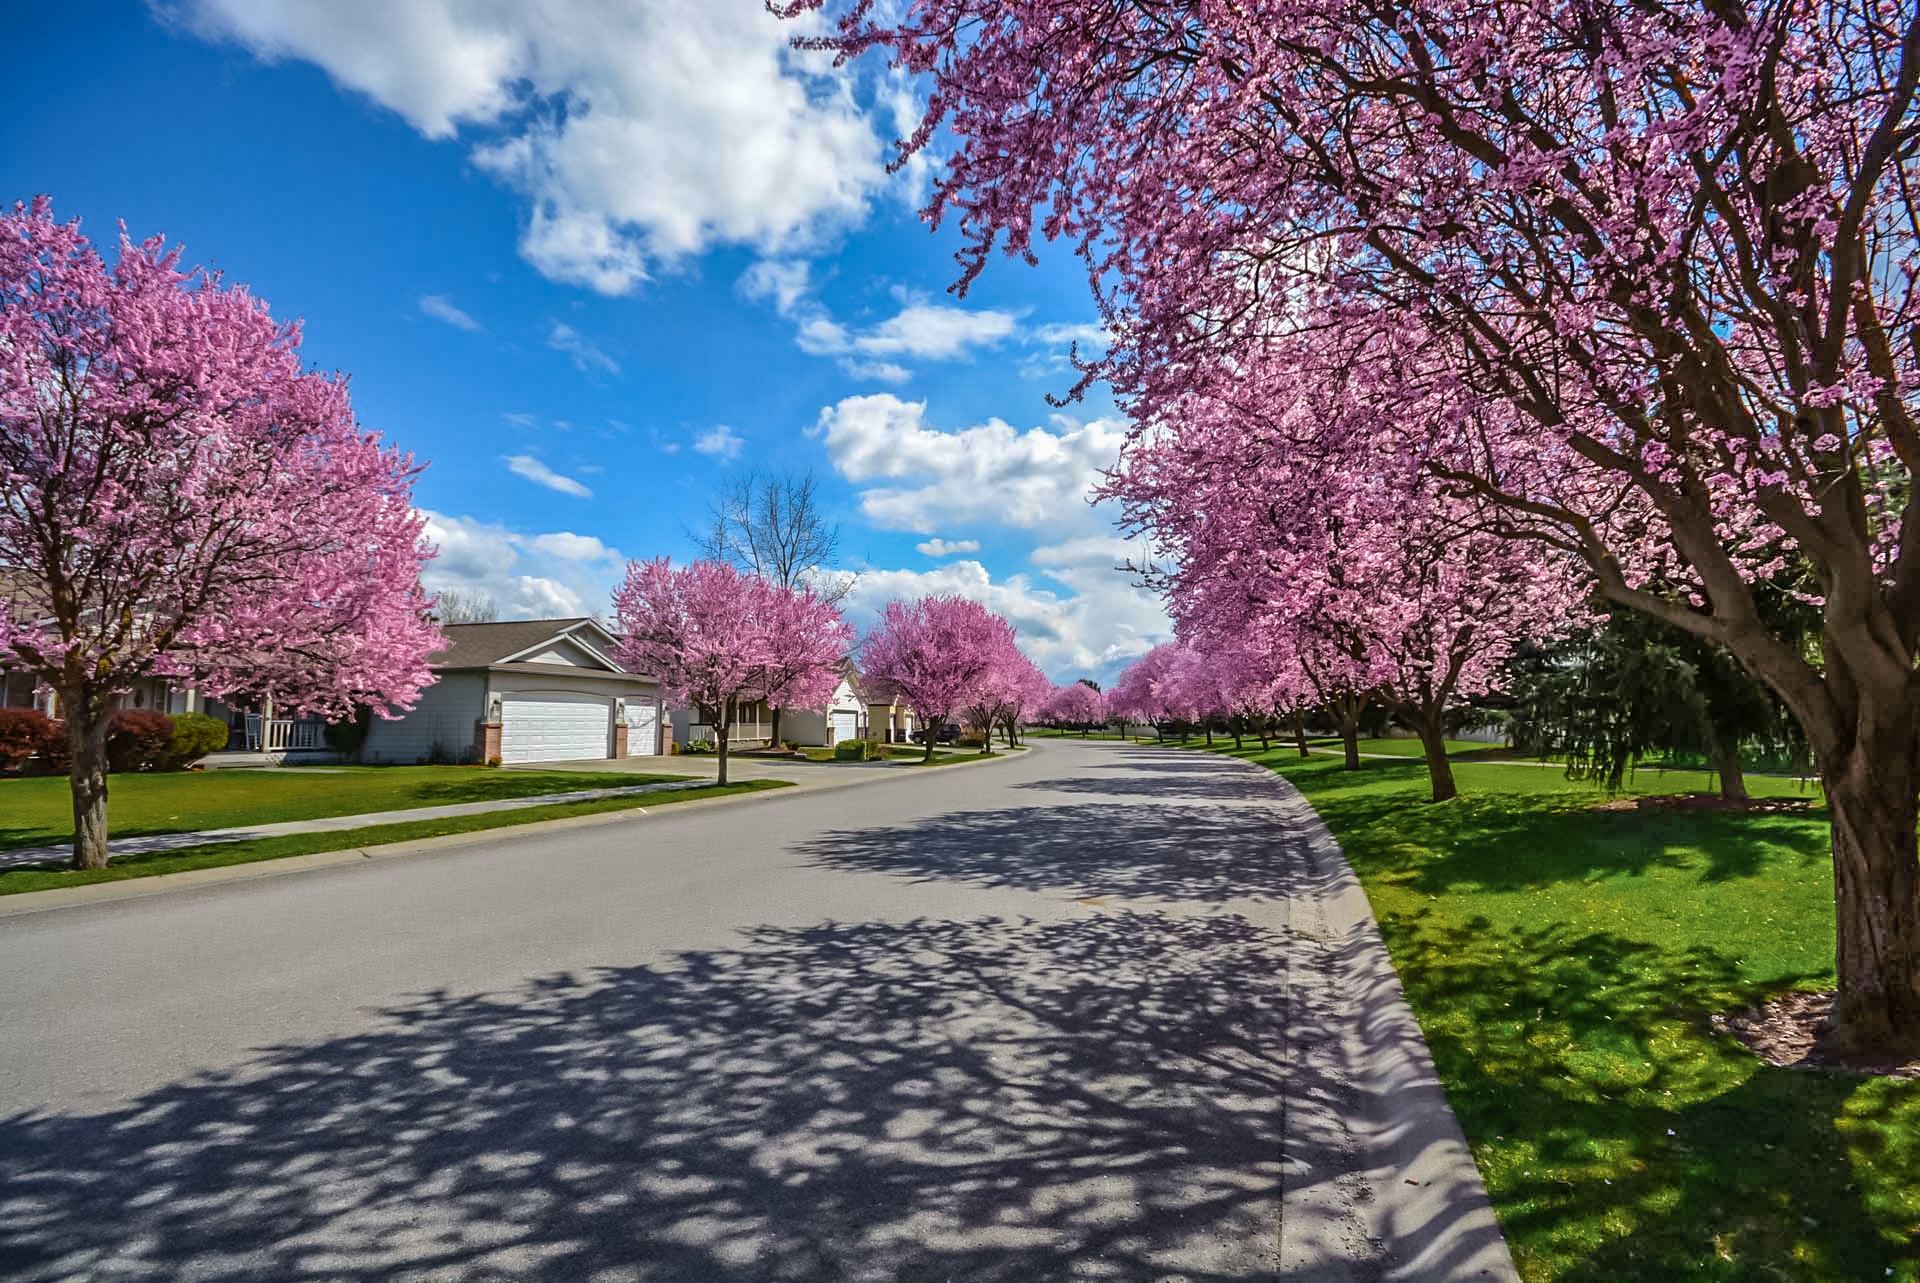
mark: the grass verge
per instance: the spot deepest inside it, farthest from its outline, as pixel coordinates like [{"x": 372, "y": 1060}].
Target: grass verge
[
  {"x": 1563, "y": 954},
  {"x": 218, "y": 855},
  {"x": 39, "y": 811}
]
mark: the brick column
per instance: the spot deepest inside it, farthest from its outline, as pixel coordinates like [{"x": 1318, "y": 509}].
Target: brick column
[
  {"x": 620, "y": 740},
  {"x": 486, "y": 741}
]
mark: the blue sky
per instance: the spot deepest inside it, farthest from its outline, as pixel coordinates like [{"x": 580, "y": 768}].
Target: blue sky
[{"x": 588, "y": 260}]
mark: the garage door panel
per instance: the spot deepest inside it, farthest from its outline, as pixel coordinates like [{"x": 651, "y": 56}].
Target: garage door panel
[
  {"x": 643, "y": 729},
  {"x": 846, "y": 725},
  {"x": 555, "y": 728}
]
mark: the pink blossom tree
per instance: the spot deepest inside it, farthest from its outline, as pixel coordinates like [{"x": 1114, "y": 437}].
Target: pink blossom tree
[
  {"x": 1012, "y": 685},
  {"x": 1654, "y": 272},
  {"x": 807, "y": 641},
  {"x": 1141, "y": 693},
  {"x": 1077, "y": 705},
  {"x": 717, "y": 638},
  {"x": 937, "y": 652},
  {"x": 179, "y": 498}
]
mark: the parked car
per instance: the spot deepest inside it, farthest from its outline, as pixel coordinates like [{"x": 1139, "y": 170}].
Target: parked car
[{"x": 948, "y": 734}]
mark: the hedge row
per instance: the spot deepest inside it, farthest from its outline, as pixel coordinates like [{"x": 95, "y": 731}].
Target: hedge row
[{"x": 137, "y": 740}]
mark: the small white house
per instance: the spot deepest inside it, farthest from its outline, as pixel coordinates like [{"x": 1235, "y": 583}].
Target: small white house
[
  {"x": 843, "y": 718},
  {"x": 533, "y": 690}
]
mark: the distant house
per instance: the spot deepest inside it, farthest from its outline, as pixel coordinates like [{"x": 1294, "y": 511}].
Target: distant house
[
  {"x": 888, "y": 717},
  {"x": 847, "y": 714},
  {"x": 844, "y": 716},
  {"x": 532, "y": 690}
]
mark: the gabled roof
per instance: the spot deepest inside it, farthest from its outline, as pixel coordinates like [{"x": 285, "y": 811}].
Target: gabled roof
[{"x": 486, "y": 645}]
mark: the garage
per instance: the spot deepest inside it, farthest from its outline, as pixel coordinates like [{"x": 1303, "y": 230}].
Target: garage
[
  {"x": 643, "y": 730},
  {"x": 554, "y": 727},
  {"x": 846, "y": 725}
]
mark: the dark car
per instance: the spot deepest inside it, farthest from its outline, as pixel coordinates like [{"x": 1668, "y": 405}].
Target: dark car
[{"x": 948, "y": 734}]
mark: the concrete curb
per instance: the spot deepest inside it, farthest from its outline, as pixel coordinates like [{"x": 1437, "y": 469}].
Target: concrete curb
[{"x": 1426, "y": 1209}]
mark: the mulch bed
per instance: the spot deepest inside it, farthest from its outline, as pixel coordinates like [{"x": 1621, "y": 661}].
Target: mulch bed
[{"x": 1785, "y": 1033}]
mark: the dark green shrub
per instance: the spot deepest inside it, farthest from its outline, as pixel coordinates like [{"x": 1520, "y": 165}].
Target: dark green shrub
[
  {"x": 971, "y": 740},
  {"x": 194, "y": 736},
  {"x": 857, "y": 751},
  {"x": 24, "y": 732},
  {"x": 347, "y": 738},
  {"x": 699, "y": 746},
  {"x": 137, "y": 739}
]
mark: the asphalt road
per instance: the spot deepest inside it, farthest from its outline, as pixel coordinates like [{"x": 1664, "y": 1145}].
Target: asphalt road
[{"x": 1020, "y": 1021}]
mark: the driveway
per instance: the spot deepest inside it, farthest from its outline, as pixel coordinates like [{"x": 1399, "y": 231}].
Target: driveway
[{"x": 1047, "y": 1018}]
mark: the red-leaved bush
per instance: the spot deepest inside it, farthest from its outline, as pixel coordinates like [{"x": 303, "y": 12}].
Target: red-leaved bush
[
  {"x": 23, "y": 732},
  {"x": 137, "y": 739}
]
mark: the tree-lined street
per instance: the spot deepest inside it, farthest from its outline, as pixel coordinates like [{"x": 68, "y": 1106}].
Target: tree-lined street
[{"x": 1039, "y": 1018}]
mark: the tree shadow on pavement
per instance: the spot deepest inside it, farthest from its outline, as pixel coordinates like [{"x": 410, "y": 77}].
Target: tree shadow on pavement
[
  {"x": 991, "y": 1100},
  {"x": 1215, "y": 786},
  {"x": 1209, "y": 853}
]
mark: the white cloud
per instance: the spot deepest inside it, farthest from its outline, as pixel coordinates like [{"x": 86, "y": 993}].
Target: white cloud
[
  {"x": 529, "y": 575},
  {"x": 639, "y": 132},
  {"x": 568, "y": 546},
  {"x": 935, "y": 332},
  {"x": 1065, "y": 335},
  {"x": 1092, "y": 632},
  {"x": 918, "y": 331},
  {"x": 1090, "y": 550},
  {"x": 992, "y": 472},
  {"x": 720, "y": 441},
  {"x": 525, "y": 465},
  {"x": 441, "y": 309},
  {"x": 782, "y": 282},
  {"x": 586, "y": 356},
  {"x": 947, "y": 547}
]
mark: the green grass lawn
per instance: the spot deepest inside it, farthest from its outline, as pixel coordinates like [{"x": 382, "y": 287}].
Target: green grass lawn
[
  {"x": 39, "y": 812},
  {"x": 1563, "y": 961},
  {"x": 15, "y": 881}
]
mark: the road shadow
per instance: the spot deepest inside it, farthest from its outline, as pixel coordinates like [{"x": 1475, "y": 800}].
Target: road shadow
[
  {"x": 1193, "y": 787},
  {"x": 1094, "y": 1099},
  {"x": 1149, "y": 850}
]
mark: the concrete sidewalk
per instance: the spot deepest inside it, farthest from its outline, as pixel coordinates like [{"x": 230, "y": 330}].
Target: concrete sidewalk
[
  {"x": 701, "y": 770},
  {"x": 147, "y": 845}
]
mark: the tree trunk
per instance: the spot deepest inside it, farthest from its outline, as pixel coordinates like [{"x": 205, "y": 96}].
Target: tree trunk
[
  {"x": 1350, "y": 737},
  {"x": 1208, "y": 727},
  {"x": 933, "y": 733},
  {"x": 1300, "y": 733},
  {"x": 1238, "y": 741},
  {"x": 723, "y": 732},
  {"x": 87, "y": 738},
  {"x": 773, "y": 711},
  {"x": 1871, "y": 796},
  {"x": 1433, "y": 739},
  {"x": 1726, "y": 761}
]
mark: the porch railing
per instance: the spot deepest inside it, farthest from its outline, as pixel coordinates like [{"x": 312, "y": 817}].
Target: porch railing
[
  {"x": 742, "y": 732},
  {"x": 280, "y": 734}
]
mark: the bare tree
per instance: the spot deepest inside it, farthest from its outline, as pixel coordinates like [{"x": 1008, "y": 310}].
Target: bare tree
[
  {"x": 466, "y": 606},
  {"x": 773, "y": 526}
]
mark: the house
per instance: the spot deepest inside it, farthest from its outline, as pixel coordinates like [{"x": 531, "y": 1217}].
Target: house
[
  {"x": 843, "y": 718},
  {"x": 889, "y": 720},
  {"x": 532, "y": 690}
]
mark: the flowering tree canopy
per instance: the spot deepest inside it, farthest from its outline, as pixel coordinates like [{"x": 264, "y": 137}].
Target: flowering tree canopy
[
  {"x": 938, "y": 652},
  {"x": 180, "y": 498},
  {"x": 1644, "y": 285},
  {"x": 717, "y": 637},
  {"x": 1076, "y": 704}
]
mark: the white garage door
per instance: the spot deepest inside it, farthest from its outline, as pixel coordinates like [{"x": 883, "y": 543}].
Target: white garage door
[
  {"x": 555, "y": 728},
  {"x": 643, "y": 730},
  {"x": 846, "y": 725}
]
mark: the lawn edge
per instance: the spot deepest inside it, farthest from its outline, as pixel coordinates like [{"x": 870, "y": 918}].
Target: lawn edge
[{"x": 22, "y": 903}]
